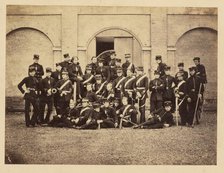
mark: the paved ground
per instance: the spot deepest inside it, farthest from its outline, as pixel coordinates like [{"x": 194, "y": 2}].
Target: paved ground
[{"x": 175, "y": 145}]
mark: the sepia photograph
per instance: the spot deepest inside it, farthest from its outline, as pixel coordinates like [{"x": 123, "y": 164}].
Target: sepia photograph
[{"x": 111, "y": 85}]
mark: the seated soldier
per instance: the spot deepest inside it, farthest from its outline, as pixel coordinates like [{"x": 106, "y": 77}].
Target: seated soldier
[
  {"x": 99, "y": 87},
  {"x": 117, "y": 106},
  {"x": 90, "y": 95},
  {"x": 109, "y": 92},
  {"x": 109, "y": 118},
  {"x": 87, "y": 78},
  {"x": 160, "y": 118},
  {"x": 128, "y": 114}
]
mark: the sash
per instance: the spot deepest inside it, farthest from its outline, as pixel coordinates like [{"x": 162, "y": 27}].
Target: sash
[
  {"x": 86, "y": 108},
  {"x": 125, "y": 110},
  {"x": 130, "y": 65},
  {"x": 87, "y": 80},
  {"x": 119, "y": 82},
  {"x": 139, "y": 80},
  {"x": 129, "y": 81},
  {"x": 66, "y": 83},
  {"x": 101, "y": 87},
  {"x": 179, "y": 84}
]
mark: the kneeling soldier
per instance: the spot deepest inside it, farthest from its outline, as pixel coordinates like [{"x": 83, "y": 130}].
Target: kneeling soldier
[
  {"x": 30, "y": 96},
  {"x": 109, "y": 118},
  {"x": 159, "y": 118}
]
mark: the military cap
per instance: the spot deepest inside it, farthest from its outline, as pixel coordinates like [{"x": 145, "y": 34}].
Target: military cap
[
  {"x": 167, "y": 68},
  {"x": 64, "y": 72},
  {"x": 31, "y": 69},
  {"x": 88, "y": 67},
  {"x": 167, "y": 103},
  {"x": 156, "y": 72},
  {"x": 196, "y": 58},
  {"x": 192, "y": 68},
  {"x": 180, "y": 64},
  {"x": 158, "y": 57},
  {"x": 96, "y": 104},
  {"x": 118, "y": 59},
  {"x": 66, "y": 55},
  {"x": 140, "y": 68},
  {"x": 98, "y": 77},
  {"x": 127, "y": 55},
  {"x": 48, "y": 69},
  {"x": 35, "y": 56},
  {"x": 85, "y": 99},
  {"x": 93, "y": 57}
]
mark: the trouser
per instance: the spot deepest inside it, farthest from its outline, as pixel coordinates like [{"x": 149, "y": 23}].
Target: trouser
[
  {"x": 56, "y": 103},
  {"x": 108, "y": 123},
  {"x": 155, "y": 104},
  {"x": 152, "y": 123},
  {"x": 91, "y": 125},
  {"x": 33, "y": 119},
  {"x": 62, "y": 104},
  {"x": 141, "y": 104},
  {"x": 43, "y": 103},
  {"x": 191, "y": 111},
  {"x": 56, "y": 122},
  {"x": 183, "y": 112},
  {"x": 131, "y": 98}
]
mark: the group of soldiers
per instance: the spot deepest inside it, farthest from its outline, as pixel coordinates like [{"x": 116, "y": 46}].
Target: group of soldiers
[{"x": 109, "y": 94}]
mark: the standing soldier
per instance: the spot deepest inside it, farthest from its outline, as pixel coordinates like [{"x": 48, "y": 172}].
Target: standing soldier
[
  {"x": 169, "y": 82},
  {"x": 30, "y": 96},
  {"x": 64, "y": 88},
  {"x": 39, "y": 71},
  {"x": 66, "y": 62},
  {"x": 56, "y": 75},
  {"x": 141, "y": 86},
  {"x": 99, "y": 88},
  {"x": 181, "y": 70},
  {"x": 128, "y": 87},
  {"x": 200, "y": 70},
  {"x": 118, "y": 82},
  {"x": 46, "y": 86},
  {"x": 156, "y": 86},
  {"x": 112, "y": 66},
  {"x": 88, "y": 77},
  {"x": 128, "y": 65},
  {"x": 180, "y": 92},
  {"x": 161, "y": 65},
  {"x": 93, "y": 65},
  {"x": 192, "y": 91},
  {"x": 104, "y": 71}
]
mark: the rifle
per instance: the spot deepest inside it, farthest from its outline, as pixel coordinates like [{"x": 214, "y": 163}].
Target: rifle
[
  {"x": 196, "y": 107},
  {"x": 177, "y": 110}
]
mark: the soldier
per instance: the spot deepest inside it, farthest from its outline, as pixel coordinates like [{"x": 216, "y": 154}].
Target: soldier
[
  {"x": 30, "y": 96},
  {"x": 161, "y": 65},
  {"x": 64, "y": 88},
  {"x": 93, "y": 65},
  {"x": 109, "y": 118},
  {"x": 46, "y": 86},
  {"x": 87, "y": 78},
  {"x": 156, "y": 86},
  {"x": 159, "y": 118},
  {"x": 141, "y": 87},
  {"x": 118, "y": 82},
  {"x": 112, "y": 66},
  {"x": 128, "y": 87},
  {"x": 128, "y": 114},
  {"x": 56, "y": 75},
  {"x": 99, "y": 88},
  {"x": 90, "y": 95},
  {"x": 66, "y": 62},
  {"x": 169, "y": 84},
  {"x": 200, "y": 70},
  {"x": 180, "y": 92},
  {"x": 118, "y": 63},
  {"x": 192, "y": 92},
  {"x": 109, "y": 93},
  {"x": 181, "y": 69},
  {"x": 128, "y": 65},
  {"x": 39, "y": 71},
  {"x": 75, "y": 75},
  {"x": 104, "y": 71}
]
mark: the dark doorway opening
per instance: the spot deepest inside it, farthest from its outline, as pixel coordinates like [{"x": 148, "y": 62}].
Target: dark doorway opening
[{"x": 103, "y": 44}]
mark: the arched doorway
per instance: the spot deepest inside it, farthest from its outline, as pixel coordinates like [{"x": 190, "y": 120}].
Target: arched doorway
[
  {"x": 200, "y": 42},
  {"x": 21, "y": 44},
  {"x": 120, "y": 40}
]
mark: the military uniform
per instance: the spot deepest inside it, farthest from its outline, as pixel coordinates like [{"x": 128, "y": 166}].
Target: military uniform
[
  {"x": 161, "y": 66},
  {"x": 128, "y": 89},
  {"x": 129, "y": 114},
  {"x": 46, "y": 98},
  {"x": 156, "y": 86},
  {"x": 99, "y": 88},
  {"x": 192, "y": 91},
  {"x": 92, "y": 97},
  {"x": 200, "y": 71},
  {"x": 117, "y": 84},
  {"x": 128, "y": 65},
  {"x": 64, "y": 64},
  {"x": 113, "y": 71},
  {"x": 184, "y": 73},
  {"x": 30, "y": 97},
  {"x": 141, "y": 87},
  {"x": 38, "y": 68},
  {"x": 64, "y": 87},
  {"x": 159, "y": 118},
  {"x": 104, "y": 71}
]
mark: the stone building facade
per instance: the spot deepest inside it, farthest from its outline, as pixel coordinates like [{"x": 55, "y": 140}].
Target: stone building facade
[{"x": 178, "y": 34}]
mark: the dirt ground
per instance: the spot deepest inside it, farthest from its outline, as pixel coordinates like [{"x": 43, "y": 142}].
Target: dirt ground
[{"x": 174, "y": 145}]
